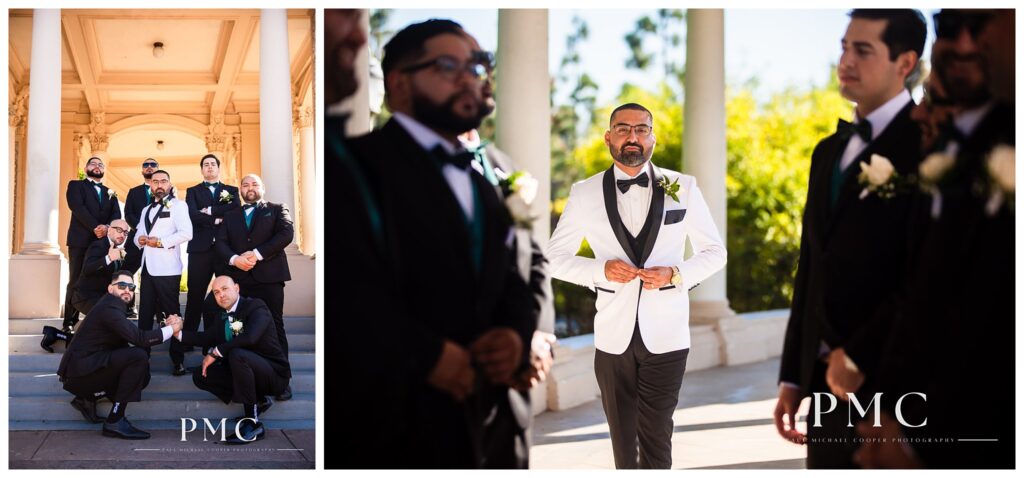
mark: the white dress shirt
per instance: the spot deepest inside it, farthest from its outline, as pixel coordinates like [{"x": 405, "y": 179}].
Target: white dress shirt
[
  {"x": 880, "y": 119},
  {"x": 635, "y": 203},
  {"x": 458, "y": 180}
]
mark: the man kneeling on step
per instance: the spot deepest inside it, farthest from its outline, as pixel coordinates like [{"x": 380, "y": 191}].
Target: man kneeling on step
[
  {"x": 245, "y": 362},
  {"x": 101, "y": 361}
]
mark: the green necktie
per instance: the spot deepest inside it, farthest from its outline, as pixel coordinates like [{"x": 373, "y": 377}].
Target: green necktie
[
  {"x": 228, "y": 335},
  {"x": 481, "y": 157},
  {"x": 99, "y": 192},
  {"x": 248, "y": 216}
]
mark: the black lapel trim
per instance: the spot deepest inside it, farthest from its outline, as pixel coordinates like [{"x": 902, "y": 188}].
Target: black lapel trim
[
  {"x": 654, "y": 215},
  {"x": 216, "y": 193},
  {"x": 151, "y": 221},
  {"x": 614, "y": 220}
]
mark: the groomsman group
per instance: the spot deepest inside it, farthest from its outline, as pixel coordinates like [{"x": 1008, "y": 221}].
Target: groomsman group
[
  {"x": 904, "y": 294},
  {"x": 233, "y": 234}
]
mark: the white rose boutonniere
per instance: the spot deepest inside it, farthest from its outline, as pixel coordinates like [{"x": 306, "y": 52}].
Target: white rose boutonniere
[
  {"x": 1001, "y": 166},
  {"x": 226, "y": 197},
  {"x": 236, "y": 327},
  {"x": 111, "y": 194},
  {"x": 935, "y": 167},
  {"x": 879, "y": 176},
  {"x": 520, "y": 190},
  {"x": 166, "y": 202}
]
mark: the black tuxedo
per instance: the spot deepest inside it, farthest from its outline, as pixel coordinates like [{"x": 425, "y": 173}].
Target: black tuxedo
[
  {"x": 851, "y": 257},
  {"x": 954, "y": 337},
  {"x": 88, "y": 210},
  {"x": 100, "y": 362},
  {"x": 134, "y": 203},
  {"x": 95, "y": 276},
  {"x": 253, "y": 363},
  {"x": 452, "y": 297},
  {"x": 272, "y": 230},
  {"x": 202, "y": 258}
]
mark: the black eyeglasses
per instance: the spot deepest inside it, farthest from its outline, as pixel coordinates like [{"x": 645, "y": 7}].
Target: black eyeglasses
[
  {"x": 479, "y": 66},
  {"x": 121, "y": 230},
  {"x": 125, "y": 285},
  {"x": 949, "y": 23},
  {"x": 149, "y": 165}
]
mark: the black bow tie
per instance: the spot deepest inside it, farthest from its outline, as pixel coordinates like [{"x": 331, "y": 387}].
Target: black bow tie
[
  {"x": 624, "y": 184},
  {"x": 861, "y": 128},
  {"x": 460, "y": 159},
  {"x": 211, "y": 185},
  {"x": 246, "y": 207}
]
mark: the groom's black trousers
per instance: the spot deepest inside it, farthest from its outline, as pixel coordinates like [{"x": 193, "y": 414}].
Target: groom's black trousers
[{"x": 639, "y": 391}]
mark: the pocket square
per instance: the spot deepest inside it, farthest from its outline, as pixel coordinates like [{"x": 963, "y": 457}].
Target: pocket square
[
  {"x": 674, "y": 216},
  {"x": 164, "y": 214}
]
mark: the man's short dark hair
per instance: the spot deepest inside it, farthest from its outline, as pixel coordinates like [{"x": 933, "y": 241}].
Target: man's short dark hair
[
  {"x": 630, "y": 106},
  {"x": 97, "y": 158},
  {"x": 117, "y": 275},
  {"x": 905, "y": 29},
  {"x": 407, "y": 45},
  {"x": 161, "y": 171},
  {"x": 214, "y": 156}
]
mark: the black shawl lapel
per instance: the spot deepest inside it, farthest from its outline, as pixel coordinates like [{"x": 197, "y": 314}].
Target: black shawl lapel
[
  {"x": 420, "y": 164},
  {"x": 851, "y": 187},
  {"x": 216, "y": 193},
  {"x": 654, "y": 215},
  {"x": 496, "y": 227},
  {"x": 614, "y": 220}
]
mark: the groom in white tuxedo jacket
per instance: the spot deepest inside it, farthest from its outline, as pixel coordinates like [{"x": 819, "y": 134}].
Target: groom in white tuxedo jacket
[{"x": 636, "y": 218}]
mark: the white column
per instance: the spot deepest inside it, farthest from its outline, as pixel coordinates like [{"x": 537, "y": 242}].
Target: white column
[
  {"x": 276, "y": 109},
  {"x": 358, "y": 105},
  {"x": 523, "y": 95},
  {"x": 307, "y": 180},
  {"x": 40, "y": 258},
  {"x": 43, "y": 164},
  {"x": 704, "y": 139}
]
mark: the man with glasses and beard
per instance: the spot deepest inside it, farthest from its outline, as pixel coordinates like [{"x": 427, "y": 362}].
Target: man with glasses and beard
[
  {"x": 92, "y": 206},
  {"x": 452, "y": 242},
  {"x": 101, "y": 362},
  {"x": 954, "y": 335},
  {"x": 164, "y": 226},
  {"x": 632, "y": 215}
]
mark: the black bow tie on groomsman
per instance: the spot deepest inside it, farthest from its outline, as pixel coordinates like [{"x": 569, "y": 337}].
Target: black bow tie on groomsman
[
  {"x": 460, "y": 159},
  {"x": 624, "y": 184},
  {"x": 861, "y": 128}
]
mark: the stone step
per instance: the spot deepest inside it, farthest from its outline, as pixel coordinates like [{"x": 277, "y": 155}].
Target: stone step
[
  {"x": 149, "y": 425},
  {"x": 40, "y": 361},
  {"x": 299, "y": 325},
  {"x": 157, "y": 406},
  {"x": 18, "y": 344},
  {"x": 31, "y": 384}
]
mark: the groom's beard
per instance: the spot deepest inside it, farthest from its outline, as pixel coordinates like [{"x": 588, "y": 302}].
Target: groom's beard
[
  {"x": 631, "y": 158},
  {"x": 148, "y": 176},
  {"x": 443, "y": 117},
  {"x": 94, "y": 174}
]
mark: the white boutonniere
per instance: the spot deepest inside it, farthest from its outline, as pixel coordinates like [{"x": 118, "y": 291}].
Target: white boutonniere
[
  {"x": 236, "y": 326},
  {"x": 932, "y": 171},
  {"x": 111, "y": 194},
  {"x": 672, "y": 189},
  {"x": 520, "y": 190},
  {"x": 226, "y": 197},
  {"x": 879, "y": 176},
  {"x": 166, "y": 202},
  {"x": 1001, "y": 166}
]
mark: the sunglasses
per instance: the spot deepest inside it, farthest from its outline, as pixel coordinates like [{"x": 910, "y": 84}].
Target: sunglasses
[
  {"x": 149, "y": 165},
  {"x": 949, "y": 23},
  {"x": 125, "y": 285}
]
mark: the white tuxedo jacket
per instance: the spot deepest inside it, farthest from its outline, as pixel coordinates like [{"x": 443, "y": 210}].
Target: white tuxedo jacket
[
  {"x": 664, "y": 314},
  {"x": 174, "y": 228}
]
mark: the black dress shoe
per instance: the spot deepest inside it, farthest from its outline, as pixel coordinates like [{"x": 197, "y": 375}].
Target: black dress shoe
[
  {"x": 178, "y": 370},
  {"x": 88, "y": 409},
  {"x": 285, "y": 395},
  {"x": 248, "y": 432},
  {"x": 51, "y": 335},
  {"x": 123, "y": 429}
]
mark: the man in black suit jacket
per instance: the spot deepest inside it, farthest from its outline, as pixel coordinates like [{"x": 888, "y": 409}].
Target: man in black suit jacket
[
  {"x": 955, "y": 322},
  {"x": 853, "y": 245},
  {"x": 137, "y": 199},
  {"x": 92, "y": 206},
  {"x": 207, "y": 201},
  {"x": 251, "y": 242},
  {"x": 451, "y": 241},
  {"x": 245, "y": 362},
  {"x": 100, "y": 363}
]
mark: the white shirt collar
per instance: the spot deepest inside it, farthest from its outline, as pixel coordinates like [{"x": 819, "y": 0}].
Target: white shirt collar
[
  {"x": 966, "y": 121},
  {"x": 235, "y": 306},
  {"x": 883, "y": 115},
  {"x": 620, "y": 174},
  {"x": 424, "y": 136}
]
